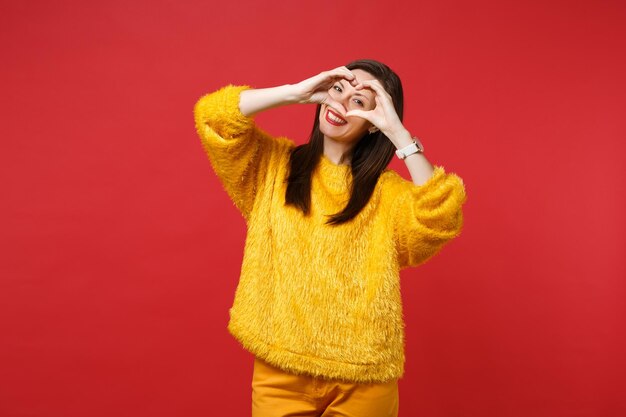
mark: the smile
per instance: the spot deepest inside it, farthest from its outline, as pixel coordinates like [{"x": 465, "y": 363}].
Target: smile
[{"x": 334, "y": 118}]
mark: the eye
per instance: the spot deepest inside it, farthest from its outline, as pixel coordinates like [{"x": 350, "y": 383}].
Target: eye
[
  {"x": 336, "y": 87},
  {"x": 359, "y": 102}
]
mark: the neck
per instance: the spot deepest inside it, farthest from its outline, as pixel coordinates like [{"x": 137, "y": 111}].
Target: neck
[{"x": 338, "y": 153}]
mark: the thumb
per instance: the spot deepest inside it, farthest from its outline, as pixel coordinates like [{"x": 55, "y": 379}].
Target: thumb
[
  {"x": 357, "y": 113},
  {"x": 332, "y": 103}
]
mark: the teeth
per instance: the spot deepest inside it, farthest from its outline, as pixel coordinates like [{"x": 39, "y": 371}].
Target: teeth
[{"x": 335, "y": 118}]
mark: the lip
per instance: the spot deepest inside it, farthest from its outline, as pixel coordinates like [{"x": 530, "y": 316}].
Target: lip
[{"x": 332, "y": 122}]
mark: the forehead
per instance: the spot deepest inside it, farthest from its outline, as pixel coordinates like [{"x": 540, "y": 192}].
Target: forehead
[{"x": 362, "y": 75}]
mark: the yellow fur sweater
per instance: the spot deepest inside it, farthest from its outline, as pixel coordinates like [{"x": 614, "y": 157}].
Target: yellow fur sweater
[{"x": 313, "y": 298}]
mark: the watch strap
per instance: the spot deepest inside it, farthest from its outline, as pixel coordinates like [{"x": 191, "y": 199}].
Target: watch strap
[{"x": 414, "y": 147}]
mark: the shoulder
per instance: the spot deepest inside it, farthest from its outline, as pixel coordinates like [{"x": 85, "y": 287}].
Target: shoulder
[
  {"x": 281, "y": 146},
  {"x": 392, "y": 183},
  {"x": 275, "y": 150}
]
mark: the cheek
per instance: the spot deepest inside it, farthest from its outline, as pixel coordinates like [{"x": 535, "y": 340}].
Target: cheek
[
  {"x": 359, "y": 123},
  {"x": 365, "y": 107}
]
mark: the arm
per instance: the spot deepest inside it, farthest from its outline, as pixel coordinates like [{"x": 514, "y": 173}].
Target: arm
[
  {"x": 426, "y": 213},
  {"x": 254, "y": 101},
  {"x": 239, "y": 152},
  {"x": 418, "y": 165},
  {"x": 312, "y": 90},
  {"x": 427, "y": 216},
  {"x": 384, "y": 117}
]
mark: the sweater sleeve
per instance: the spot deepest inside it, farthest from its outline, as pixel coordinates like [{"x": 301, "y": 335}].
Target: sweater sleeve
[
  {"x": 427, "y": 216},
  {"x": 237, "y": 150}
]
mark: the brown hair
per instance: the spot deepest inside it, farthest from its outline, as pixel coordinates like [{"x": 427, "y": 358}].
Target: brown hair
[{"x": 370, "y": 156}]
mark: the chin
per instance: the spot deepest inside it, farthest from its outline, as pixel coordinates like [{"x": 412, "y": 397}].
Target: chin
[
  {"x": 342, "y": 139},
  {"x": 331, "y": 135}
]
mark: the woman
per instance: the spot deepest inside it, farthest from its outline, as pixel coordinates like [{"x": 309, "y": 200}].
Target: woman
[{"x": 328, "y": 229}]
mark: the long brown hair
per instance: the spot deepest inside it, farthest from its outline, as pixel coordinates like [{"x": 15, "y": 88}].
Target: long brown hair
[{"x": 370, "y": 156}]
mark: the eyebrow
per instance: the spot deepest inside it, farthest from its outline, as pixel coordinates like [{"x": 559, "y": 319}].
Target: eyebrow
[{"x": 356, "y": 94}]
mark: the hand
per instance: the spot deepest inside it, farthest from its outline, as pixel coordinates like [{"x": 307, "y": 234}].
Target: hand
[
  {"x": 316, "y": 89},
  {"x": 384, "y": 115}
]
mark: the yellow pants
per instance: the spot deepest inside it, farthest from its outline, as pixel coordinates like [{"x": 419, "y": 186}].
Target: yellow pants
[{"x": 276, "y": 393}]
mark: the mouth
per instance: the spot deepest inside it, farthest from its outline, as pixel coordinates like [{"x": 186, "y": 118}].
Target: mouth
[{"x": 334, "y": 118}]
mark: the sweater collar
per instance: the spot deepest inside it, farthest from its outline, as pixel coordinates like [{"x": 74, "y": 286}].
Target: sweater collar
[{"x": 334, "y": 175}]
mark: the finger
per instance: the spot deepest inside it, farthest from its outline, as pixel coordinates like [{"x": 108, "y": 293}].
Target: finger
[
  {"x": 351, "y": 78},
  {"x": 359, "y": 113},
  {"x": 342, "y": 72},
  {"x": 376, "y": 86},
  {"x": 334, "y": 105},
  {"x": 373, "y": 81},
  {"x": 378, "y": 89},
  {"x": 386, "y": 105},
  {"x": 350, "y": 75}
]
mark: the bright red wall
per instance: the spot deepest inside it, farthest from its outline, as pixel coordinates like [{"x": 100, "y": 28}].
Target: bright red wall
[{"x": 120, "y": 251}]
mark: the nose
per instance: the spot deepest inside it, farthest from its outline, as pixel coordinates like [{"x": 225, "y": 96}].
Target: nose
[
  {"x": 342, "y": 101},
  {"x": 337, "y": 104},
  {"x": 346, "y": 93}
]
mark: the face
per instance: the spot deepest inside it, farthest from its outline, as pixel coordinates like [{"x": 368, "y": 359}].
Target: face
[{"x": 333, "y": 122}]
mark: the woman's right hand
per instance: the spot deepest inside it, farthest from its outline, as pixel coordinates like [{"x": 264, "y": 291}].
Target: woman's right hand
[
  {"x": 316, "y": 89},
  {"x": 312, "y": 90}
]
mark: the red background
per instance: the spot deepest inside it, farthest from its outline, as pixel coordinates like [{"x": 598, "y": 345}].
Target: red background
[{"x": 121, "y": 252}]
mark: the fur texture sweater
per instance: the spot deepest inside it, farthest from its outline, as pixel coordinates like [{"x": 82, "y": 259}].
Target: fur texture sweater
[{"x": 312, "y": 298}]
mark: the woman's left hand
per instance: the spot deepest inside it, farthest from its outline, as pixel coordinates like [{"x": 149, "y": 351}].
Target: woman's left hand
[{"x": 384, "y": 115}]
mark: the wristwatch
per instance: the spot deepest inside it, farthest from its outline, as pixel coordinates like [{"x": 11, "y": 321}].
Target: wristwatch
[{"x": 415, "y": 147}]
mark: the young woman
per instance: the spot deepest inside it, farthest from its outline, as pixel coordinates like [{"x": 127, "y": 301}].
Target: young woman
[{"x": 329, "y": 227}]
